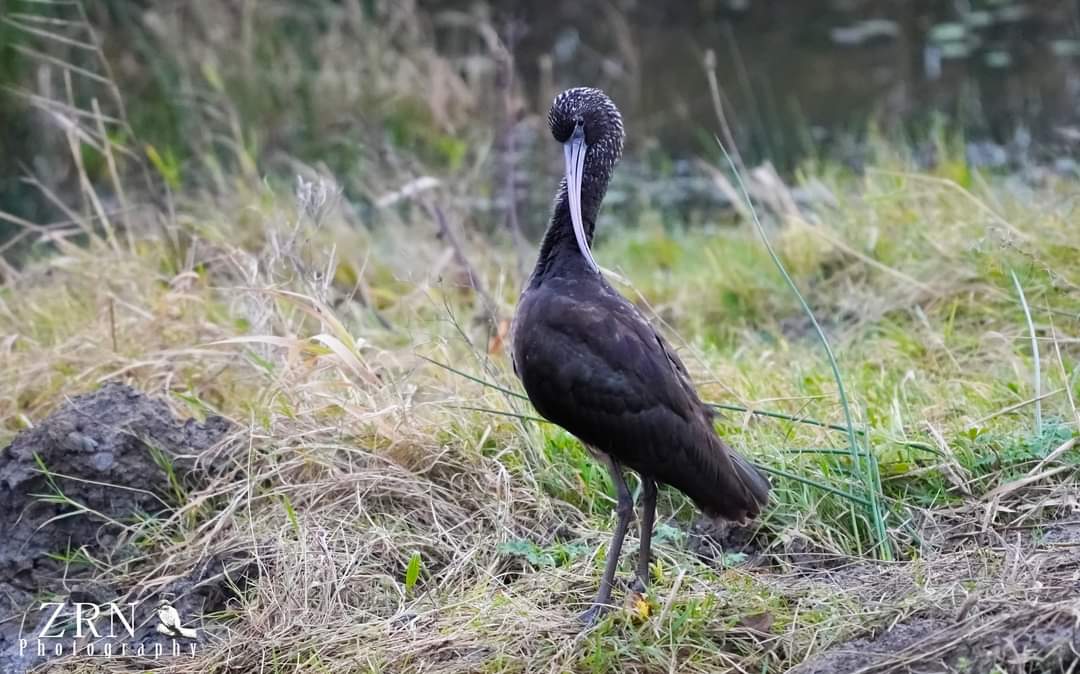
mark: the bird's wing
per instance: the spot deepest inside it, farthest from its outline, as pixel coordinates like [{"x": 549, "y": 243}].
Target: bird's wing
[
  {"x": 599, "y": 370},
  {"x": 679, "y": 370}
]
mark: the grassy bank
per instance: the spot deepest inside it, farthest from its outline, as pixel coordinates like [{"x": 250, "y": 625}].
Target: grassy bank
[
  {"x": 406, "y": 516},
  {"x": 402, "y": 507}
]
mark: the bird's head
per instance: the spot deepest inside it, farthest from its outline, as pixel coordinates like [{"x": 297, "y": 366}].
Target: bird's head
[
  {"x": 590, "y": 129},
  {"x": 599, "y": 120}
]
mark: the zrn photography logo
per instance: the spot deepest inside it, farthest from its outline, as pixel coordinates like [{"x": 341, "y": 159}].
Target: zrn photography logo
[{"x": 107, "y": 630}]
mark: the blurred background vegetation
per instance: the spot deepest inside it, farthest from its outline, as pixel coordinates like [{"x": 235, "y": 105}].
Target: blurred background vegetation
[{"x": 362, "y": 87}]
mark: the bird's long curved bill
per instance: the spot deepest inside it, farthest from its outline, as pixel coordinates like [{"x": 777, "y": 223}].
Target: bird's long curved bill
[{"x": 574, "y": 150}]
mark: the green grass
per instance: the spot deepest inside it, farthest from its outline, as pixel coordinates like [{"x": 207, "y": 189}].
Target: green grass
[{"x": 939, "y": 379}]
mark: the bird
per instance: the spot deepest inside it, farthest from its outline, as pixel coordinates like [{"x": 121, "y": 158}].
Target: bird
[
  {"x": 170, "y": 622},
  {"x": 591, "y": 363}
]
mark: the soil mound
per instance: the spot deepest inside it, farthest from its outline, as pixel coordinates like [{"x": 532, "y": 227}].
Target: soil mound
[{"x": 66, "y": 483}]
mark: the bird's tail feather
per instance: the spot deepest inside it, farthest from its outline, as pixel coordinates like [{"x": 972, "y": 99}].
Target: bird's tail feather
[
  {"x": 755, "y": 482},
  {"x": 741, "y": 490}
]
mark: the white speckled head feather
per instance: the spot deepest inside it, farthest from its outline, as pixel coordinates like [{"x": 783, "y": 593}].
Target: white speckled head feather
[{"x": 603, "y": 124}]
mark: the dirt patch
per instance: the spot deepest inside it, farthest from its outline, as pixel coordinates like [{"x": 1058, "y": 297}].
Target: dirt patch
[
  {"x": 719, "y": 543},
  {"x": 712, "y": 539},
  {"x": 106, "y": 453},
  {"x": 1040, "y": 638},
  {"x": 1061, "y": 533},
  {"x": 866, "y": 652}
]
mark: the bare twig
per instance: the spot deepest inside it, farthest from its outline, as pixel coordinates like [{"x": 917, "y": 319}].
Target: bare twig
[
  {"x": 721, "y": 117},
  {"x": 1013, "y": 408},
  {"x": 505, "y": 78},
  {"x": 447, "y": 234}
]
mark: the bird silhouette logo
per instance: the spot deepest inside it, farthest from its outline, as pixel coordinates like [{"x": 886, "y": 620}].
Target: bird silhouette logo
[{"x": 170, "y": 622}]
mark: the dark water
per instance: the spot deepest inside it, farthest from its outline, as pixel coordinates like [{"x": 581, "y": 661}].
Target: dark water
[
  {"x": 797, "y": 74},
  {"x": 796, "y": 78}
]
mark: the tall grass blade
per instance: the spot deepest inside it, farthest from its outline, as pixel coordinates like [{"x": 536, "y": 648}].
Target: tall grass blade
[
  {"x": 478, "y": 380},
  {"x": 818, "y": 485},
  {"x": 1037, "y": 375},
  {"x": 864, "y": 471},
  {"x": 501, "y": 413},
  {"x": 913, "y": 444}
]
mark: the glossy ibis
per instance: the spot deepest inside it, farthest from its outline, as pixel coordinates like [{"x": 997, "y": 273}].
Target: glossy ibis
[{"x": 592, "y": 364}]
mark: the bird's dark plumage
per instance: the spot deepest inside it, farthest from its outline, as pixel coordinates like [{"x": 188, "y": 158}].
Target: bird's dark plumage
[{"x": 592, "y": 364}]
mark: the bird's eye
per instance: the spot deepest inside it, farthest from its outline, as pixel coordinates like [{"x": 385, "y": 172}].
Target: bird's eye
[{"x": 563, "y": 129}]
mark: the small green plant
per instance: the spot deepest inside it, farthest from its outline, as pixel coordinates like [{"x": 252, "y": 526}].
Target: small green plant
[
  {"x": 412, "y": 572},
  {"x": 558, "y": 554}
]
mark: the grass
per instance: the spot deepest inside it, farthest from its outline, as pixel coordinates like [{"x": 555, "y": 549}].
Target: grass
[
  {"x": 866, "y": 470},
  {"x": 429, "y": 518},
  {"x": 406, "y": 510}
]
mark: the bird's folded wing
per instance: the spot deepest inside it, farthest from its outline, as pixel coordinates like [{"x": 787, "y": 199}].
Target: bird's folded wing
[
  {"x": 607, "y": 377},
  {"x": 601, "y": 372}
]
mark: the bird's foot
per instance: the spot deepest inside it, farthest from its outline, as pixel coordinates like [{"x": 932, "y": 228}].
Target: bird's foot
[
  {"x": 639, "y": 586},
  {"x": 592, "y": 615}
]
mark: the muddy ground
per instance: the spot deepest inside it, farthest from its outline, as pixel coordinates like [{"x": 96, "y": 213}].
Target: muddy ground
[
  {"x": 1034, "y": 638},
  {"x": 1002, "y": 601},
  {"x": 979, "y": 600},
  {"x": 106, "y": 453}
]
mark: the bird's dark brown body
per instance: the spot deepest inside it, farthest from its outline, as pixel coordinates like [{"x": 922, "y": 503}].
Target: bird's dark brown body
[{"x": 592, "y": 364}]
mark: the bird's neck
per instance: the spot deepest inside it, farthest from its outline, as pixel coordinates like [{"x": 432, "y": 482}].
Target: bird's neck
[{"x": 559, "y": 250}]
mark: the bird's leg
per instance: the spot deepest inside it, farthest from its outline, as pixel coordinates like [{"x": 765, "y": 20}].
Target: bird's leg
[
  {"x": 648, "y": 517},
  {"x": 624, "y": 510}
]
